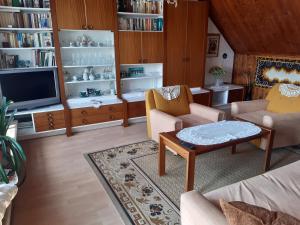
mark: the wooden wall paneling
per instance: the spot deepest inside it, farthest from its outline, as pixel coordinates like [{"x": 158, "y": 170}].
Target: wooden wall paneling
[
  {"x": 196, "y": 43},
  {"x": 259, "y": 27},
  {"x": 100, "y": 14},
  {"x": 175, "y": 31},
  {"x": 54, "y": 5},
  {"x": 130, "y": 47},
  {"x": 152, "y": 47},
  {"x": 70, "y": 14}
]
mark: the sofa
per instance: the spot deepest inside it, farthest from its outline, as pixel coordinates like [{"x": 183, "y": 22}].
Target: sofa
[
  {"x": 165, "y": 115},
  {"x": 277, "y": 190},
  {"x": 276, "y": 111}
]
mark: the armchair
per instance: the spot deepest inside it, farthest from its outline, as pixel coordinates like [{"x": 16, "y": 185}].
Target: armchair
[
  {"x": 276, "y": 111},
  {"x": 170, "y": 115}
]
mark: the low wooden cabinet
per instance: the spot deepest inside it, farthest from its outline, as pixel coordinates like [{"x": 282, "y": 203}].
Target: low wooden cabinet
[
  {"x": 46, "y": 121},
  {"x": 203, "y": 98},
  {"x": 136, "y": 109},
  {"x": 236, "y": 95},
  {"x": 87, "y": 116}
]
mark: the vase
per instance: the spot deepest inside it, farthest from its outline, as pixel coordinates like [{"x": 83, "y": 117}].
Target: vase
[{"x": 218, "y": 82}]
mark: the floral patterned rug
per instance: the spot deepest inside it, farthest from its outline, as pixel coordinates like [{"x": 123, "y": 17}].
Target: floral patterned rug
[{"x": 129, "y": 175}]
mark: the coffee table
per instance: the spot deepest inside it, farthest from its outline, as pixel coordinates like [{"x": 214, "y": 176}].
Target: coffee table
[{"x": 170, "y": 140}]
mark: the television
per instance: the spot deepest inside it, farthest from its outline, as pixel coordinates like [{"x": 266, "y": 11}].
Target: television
[{"x": 30, "y": 88}]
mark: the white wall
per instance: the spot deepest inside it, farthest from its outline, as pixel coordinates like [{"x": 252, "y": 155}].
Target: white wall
[{"x": 227, "y": 64}]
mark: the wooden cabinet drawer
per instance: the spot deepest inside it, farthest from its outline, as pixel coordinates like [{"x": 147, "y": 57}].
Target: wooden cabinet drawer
[
  {"x": 84, "y": 112},
  {"x": 236, "y": 95},
  {"x": 136, "y": 109},
  {"x": 92, "y": 119},
  {"x": 49, "y": 121},
  {"x": 203, "y": 99}
]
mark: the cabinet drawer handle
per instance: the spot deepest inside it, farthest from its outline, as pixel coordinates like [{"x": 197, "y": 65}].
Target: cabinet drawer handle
[
  {"x": 90, "y": 27},
  {"x": 84, "y": 121},
  {"x": 84, "y": 113},
  {"x": 84, "y": 27},
  {"x": 51, "y": 127},
  {"x": 50, "y": 119},
  {"x": 49, "y": 114}
]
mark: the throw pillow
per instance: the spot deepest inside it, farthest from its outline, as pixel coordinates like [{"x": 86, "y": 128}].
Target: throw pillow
[{"x": 238, "y": 213}]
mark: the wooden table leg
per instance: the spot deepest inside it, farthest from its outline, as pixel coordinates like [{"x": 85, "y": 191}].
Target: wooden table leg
[
  {"x": 162, "y": 157},
  {"x": 233, "y": 150},
  {"x": 269, "y": 148},
  {"x": 190, "y": 172}
]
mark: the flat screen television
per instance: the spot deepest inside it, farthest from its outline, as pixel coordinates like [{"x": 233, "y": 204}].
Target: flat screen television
[{"x": 29, "y": 89}]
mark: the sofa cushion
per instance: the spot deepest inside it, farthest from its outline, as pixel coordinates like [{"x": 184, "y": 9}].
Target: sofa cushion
[
  {"x": 176, "y": 107},
  {"x": 190, "y": 120},
  {"x": 277, "y": 190},
  {"x": 282, "y": 104},
  {"x": 242, "y": 213}
]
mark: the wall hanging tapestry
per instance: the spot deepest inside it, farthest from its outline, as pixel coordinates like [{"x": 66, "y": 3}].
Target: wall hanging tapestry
[{"x": 270, "y": 71}]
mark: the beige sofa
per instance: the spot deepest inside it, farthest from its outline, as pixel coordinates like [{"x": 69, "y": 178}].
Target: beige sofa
[
  {"x": 277, "y": 190},
  {"x": 287, "y": 129}
]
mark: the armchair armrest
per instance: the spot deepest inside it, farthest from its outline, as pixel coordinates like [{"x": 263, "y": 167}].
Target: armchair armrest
[
  {"x": 195, "y": 209},
  {"x": 163, "y": 122},
  {"x": 282, "y": 120},
  {"x": 209, "y": 113},
  {"x": 248, "y": 106}
]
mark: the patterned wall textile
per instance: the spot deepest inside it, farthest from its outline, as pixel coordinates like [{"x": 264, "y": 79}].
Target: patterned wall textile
[{"x": 270, "y": 71}]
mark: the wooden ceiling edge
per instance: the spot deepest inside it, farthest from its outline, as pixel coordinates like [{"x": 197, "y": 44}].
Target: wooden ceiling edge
[{"x": 261, "y": 54}]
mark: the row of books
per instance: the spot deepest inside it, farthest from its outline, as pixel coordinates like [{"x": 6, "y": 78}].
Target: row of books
[
  {"x": 26, "y": 3},
  {"x": 26, "y": 40},
  {"x": 39, "y": 59},
  {"x": 141, "y": 24},
  {"x": 25, "y": 20}
]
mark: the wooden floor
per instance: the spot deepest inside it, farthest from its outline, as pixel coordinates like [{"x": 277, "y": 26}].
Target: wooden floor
[{"x": 61, "y": 187}]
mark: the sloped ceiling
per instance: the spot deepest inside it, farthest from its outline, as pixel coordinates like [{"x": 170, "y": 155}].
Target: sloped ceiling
[{"x": 259, "y": 26}]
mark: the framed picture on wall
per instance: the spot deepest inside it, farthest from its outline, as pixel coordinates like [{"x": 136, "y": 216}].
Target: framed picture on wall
[{"x": 213, "y": 43}]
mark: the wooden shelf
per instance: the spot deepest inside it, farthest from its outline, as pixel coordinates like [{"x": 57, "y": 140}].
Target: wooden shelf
[
  {"x": 81, "y": 48},
  {"x": 141, "y": 78},
  {"x": 29, "y": 48},
  {"x": 26, "y": 29},
  {"x": 144, "y": 15},
  {"x": 29, "y": 68},
  {"x": 22, "y": 9},
  {"x": 89, "y": 81},
  {"x": 154, "y": 31},
  {"x": 84, "y": 66}
]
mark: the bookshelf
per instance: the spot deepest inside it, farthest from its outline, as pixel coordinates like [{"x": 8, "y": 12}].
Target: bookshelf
[
  {"x": 88, "y": 64},
  {"x": 26, "y": 35},
  {"x": 140, "y": 15}
]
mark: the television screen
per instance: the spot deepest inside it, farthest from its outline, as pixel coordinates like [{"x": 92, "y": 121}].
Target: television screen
[{"x": 29, "y": 87}]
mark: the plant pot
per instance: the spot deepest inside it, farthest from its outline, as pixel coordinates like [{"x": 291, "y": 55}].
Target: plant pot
[{"x": 219, "y": 82}]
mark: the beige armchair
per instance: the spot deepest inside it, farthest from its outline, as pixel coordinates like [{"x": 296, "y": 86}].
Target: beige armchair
[
  {"x": 170, "y": 115},
  {"x": 286, "y": 125}
]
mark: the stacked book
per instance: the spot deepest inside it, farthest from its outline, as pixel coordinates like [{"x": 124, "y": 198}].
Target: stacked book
[
  {"x": 39, "y": 59},
  {"x": 26, "y": 40},
  {"x": 142, "y": 24},
  {"x": 25, "y": 20},
  {"x": 26, "y": 3}
]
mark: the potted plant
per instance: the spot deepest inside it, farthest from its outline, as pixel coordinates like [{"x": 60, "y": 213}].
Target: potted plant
[
  {"x": 12, "y": 156},
  {"x": 218, "y": 72}
]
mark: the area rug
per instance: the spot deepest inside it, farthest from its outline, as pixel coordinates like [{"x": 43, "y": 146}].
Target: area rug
[{"x": 129, "y": 174}]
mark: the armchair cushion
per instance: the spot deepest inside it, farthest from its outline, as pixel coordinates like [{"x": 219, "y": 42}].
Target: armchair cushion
[
  {"x": 280, "y": 103},
  {"x": 175, "y": 107},
  {"x": 163, "y": 122},
  {"x": 248, "y": 106},
  {"x": 207, "y": 113}
]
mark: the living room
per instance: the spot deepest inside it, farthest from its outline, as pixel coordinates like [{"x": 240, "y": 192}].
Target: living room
[{"x": 150, "y": 112}]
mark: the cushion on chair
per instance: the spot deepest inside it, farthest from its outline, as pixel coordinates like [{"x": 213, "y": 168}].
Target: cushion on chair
[
  {"x": 175, "y": 107},
  {"x": 255, "y": 117},
  {"x": 190, "y": 120},
  {"x": 280, "y": 103}
]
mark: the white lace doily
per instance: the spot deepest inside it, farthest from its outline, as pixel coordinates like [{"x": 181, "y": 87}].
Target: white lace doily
[
  {"x": 289, "y": 90},
  {"x": 169, "y": 93},
  {"x": 218, "y": 133}
]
